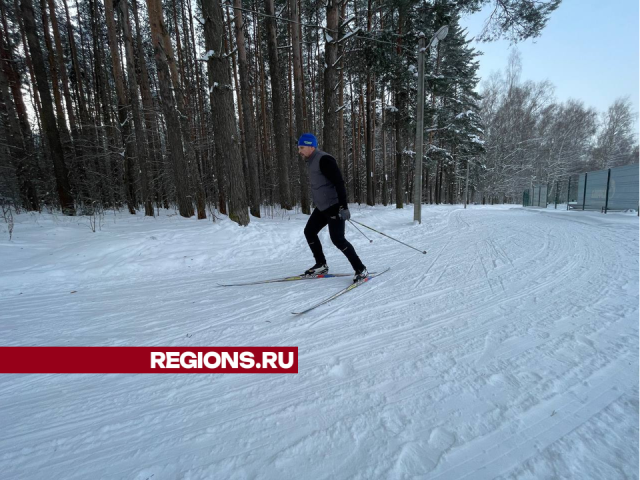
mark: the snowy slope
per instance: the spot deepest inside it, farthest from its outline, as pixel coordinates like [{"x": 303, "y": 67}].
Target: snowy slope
[{"x": 509, "y": 351}]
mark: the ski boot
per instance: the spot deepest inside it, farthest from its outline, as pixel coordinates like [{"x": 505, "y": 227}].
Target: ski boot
[
  {"x": 317, "y": 269},
  {"x": 360, "y": 275}
]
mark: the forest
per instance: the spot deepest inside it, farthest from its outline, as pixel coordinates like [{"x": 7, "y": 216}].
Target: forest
[{"x": 197, "y": 105}]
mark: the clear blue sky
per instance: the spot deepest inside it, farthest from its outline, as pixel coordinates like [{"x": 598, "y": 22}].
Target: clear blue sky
[{"x": 588, "y": 51}]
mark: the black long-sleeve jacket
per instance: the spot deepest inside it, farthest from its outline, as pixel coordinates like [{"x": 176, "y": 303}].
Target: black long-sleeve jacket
[{"x": 329, "y": 168}]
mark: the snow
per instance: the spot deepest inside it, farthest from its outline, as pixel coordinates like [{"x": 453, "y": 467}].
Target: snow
[
  {"x": 348, "y": 20},
  {"x": 476, "y": 139},
  {"x": 207, "y": 56},
  {"x": 509, "y": 351},
  {"x": 464, "y": 114},
  {"x": 350, "y": 34},
  {"x": 435, "y": 149}
]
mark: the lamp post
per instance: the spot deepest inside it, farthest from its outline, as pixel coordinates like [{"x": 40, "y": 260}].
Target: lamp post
[{"x": 417, "y": 184}]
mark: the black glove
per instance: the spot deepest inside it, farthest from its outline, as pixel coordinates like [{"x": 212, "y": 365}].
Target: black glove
[{"x": 344, "y": 214}]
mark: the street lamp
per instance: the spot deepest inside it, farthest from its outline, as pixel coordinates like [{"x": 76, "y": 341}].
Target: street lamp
[{"x": 417, "y": 184}]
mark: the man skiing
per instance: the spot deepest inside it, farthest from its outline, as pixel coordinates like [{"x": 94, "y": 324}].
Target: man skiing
[{"x": 330, "y": 198}]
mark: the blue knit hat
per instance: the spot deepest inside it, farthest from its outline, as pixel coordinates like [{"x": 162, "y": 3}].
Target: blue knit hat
[{"x": 308, "y": 140}]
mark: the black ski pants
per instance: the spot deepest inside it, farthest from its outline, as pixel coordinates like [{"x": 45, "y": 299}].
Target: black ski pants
[{"x": 320, "y": 219}]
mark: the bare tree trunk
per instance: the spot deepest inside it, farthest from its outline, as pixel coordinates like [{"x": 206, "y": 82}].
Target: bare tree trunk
[
  {"x": 343, "y": 157},
  {"x": 305, "y": 115},
  {"x": 204, "y": 155},
  {"x": 27, "y": 57},
  {"x": 369, "y": 141},
  {"x": 369, "y": 125},
  {"x": 385, "y": 190},
  {"x": 14, "y": 140},
  {"x": 81, "y": 98},
  {"x": 197, "y": 115},
  {"x": 230, "y": 52},
  {"x": 169, "y": 107},
  {"x": 254, "y": 93},
  {"x": 440, "y": 182},
  {"x": 342, "y": 161},
  {"x": 183, "y": 116},
  {"x": 362, "y": 130},
  {"x": 227, "y": 138},
  {"x": 298, "y": 82},
  {"x": 312, "y": 66},
  {"x": 55, "y": 84},
  {"x": 400, "y": 106},
  {"x": 19, "y": 134},
  {"x": 123, "y": 119},
  {"x": 64, "y": 80},
  {"x": 354, "y": 143},
  {"x": 101, "y": 101},
  {"x": 400, "y": 101},
  {"x": 330, "y": 132},
  {"x": 179, "y": 80},
  {"x": 427, "y": 188},
  {"x": 234, "y": 68},
  {"x": 48, "y": 117},
  {"x": 277, "y": 97},
  {"x": 267, "y": 159},
  {"x": 438, "y": 178},
  {"x": 151, "y": 131},
  {"x": 88, "y": 138},
  {"x": 140, "y": 144},
  {"x": 248, "y": 117},
  {"x": 294, "y": 158},
  {"x": 385, "y": 199}
]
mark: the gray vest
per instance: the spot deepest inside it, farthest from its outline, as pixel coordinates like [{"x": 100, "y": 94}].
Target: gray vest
[{"x": 323, "y": 191}]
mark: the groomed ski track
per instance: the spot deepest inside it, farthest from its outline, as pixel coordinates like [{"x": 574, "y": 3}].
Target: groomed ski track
[{"x": 509, "y": 351}]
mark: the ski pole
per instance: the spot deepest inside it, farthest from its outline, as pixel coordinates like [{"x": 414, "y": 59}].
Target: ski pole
[
  {"x": 370, "y": 241},
  {"x": 385, "y": 235}
]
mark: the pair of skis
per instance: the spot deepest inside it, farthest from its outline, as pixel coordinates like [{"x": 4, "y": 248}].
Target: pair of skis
[{"x": 312, "y": 277}]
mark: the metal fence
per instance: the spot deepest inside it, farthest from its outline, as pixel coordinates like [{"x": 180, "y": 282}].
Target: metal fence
[
  {"x": 603, "y": 190},
  {"x": 612, "y": 189},
  {"x": 537, "y": 197}
]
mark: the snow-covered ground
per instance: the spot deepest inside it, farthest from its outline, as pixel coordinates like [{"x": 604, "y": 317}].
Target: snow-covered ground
[{"x": 509, "y": 351}]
